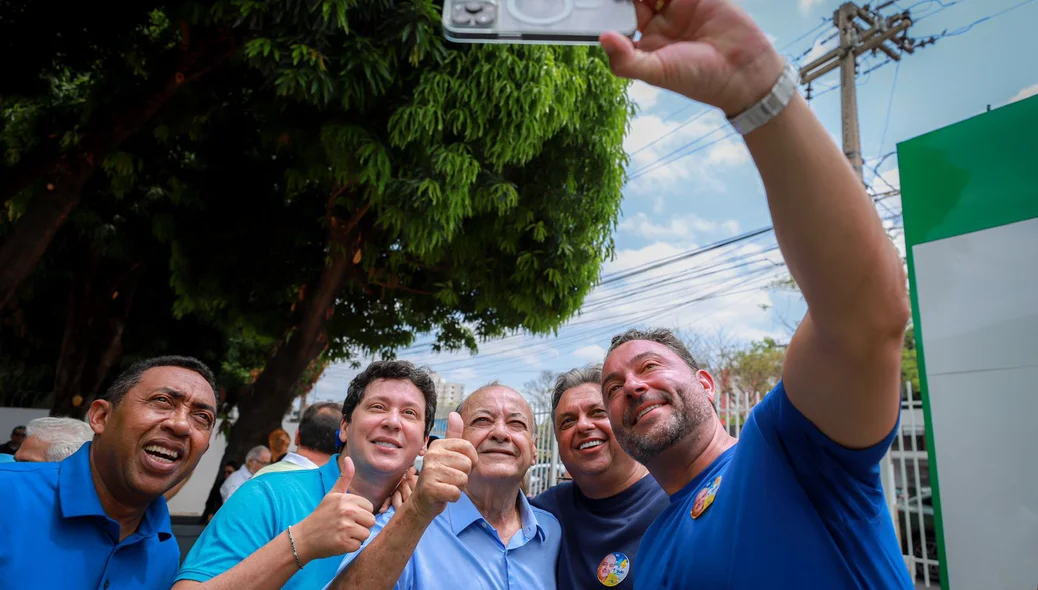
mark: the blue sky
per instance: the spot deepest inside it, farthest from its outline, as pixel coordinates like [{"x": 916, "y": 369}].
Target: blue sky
[{"x": 692, "y": 185}]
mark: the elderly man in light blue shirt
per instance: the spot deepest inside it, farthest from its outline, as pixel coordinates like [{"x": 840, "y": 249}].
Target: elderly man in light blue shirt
[{"x": 467, "y": 523}]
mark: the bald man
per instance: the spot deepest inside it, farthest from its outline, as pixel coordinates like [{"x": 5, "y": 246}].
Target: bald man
[{"x": 467, "y": 510}]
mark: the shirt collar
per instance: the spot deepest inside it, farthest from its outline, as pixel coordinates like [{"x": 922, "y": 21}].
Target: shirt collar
[
  {"x": 463, "y": 513},
  {"x": 330, "y": 473},
  {"x": 78, "y": 496}
]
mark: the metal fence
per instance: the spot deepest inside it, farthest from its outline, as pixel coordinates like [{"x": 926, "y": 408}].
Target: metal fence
[{"x": 905, "y": 475}]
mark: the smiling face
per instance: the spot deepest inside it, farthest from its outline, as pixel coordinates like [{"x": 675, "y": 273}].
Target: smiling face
[
  {"x": 387, "y": 428},
  {"x": 499, "y": 424},
  {"x": 155, "y": 436},
  {"x": 654, "y": 400},
  {"x": 586, "y": 442}
]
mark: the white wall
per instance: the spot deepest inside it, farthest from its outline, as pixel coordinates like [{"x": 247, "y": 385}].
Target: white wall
[
  {"x": 11, "y": 417},
  {"x": 978, "y": 308}
]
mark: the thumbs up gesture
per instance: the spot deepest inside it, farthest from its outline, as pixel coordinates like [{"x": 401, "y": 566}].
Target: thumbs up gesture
[
  {"x": 445, "y": 471},
  {"x": 339, "y": 524}
]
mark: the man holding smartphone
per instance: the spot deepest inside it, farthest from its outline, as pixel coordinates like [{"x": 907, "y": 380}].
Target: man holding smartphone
[{"x": 800, "y": 490}]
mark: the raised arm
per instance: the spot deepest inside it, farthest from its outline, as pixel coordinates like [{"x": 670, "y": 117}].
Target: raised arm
[
  {"x": 842, "y": 365},
  {"x": 444, "y": 476}
]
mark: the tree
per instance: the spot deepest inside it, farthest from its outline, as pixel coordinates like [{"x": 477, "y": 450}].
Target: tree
[
  {"x": 539, "y": 391},
  {"x": 758, "y": 368},
  {"x": 910, "y": 365}
]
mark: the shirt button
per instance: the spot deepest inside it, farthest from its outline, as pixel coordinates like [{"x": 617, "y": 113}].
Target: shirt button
[{"x": 107, "y": 584}]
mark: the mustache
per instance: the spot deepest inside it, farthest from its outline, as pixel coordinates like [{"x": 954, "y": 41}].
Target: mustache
[{"x": 655, "y": 397}]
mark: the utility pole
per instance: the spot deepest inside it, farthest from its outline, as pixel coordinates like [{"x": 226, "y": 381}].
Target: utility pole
[{"x": 861, "y": 30}]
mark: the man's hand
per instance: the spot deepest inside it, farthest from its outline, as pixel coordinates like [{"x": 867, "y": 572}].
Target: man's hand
[
  {"x": 403, "y": 491},
  {"x": 708, "y": 50},
  {"x": 445, "y": 471},
  {"x": 339, "y": 524}
]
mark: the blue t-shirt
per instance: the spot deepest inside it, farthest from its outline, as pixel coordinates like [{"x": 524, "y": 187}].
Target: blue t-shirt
[
  {"x": 600, "y": 537},
  {"x": 786, "y": 507},
  {"x": 55, "y": 534},
  {"x": 260, "y": 510}
]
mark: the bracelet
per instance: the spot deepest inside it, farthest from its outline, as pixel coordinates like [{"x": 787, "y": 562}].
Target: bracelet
[
  {"x": 771, "y": 105},
  {"x": 292, "y": 542}
]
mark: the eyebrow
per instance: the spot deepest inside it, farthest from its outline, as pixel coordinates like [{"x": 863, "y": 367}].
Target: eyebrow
[
  {"x": 638, "y": 358},
  {"x": 180, "y": 396}
]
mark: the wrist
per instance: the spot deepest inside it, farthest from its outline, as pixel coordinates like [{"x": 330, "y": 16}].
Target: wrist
[
  {"x": 758, "y": 79},
  {"x": 415, "y": 511},
  {"x": 301, "y": 536}
]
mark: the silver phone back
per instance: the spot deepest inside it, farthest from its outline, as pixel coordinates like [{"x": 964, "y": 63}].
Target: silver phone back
[{"x": 536, "y": 21}]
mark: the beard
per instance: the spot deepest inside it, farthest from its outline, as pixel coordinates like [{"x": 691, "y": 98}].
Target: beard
[{"x": 691, "y": 410}]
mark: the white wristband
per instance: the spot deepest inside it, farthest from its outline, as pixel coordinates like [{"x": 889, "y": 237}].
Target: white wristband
[{"x": 771, "y": 105}]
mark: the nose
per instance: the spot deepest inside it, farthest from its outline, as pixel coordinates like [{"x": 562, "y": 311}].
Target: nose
[
  {"x": 584, "y": 423},
  {"x": 179, "y": 422},
  {"x": 392, "y": 420},
  {"x": 499, "y": 432},
  {"x": 634, "y": 387}
]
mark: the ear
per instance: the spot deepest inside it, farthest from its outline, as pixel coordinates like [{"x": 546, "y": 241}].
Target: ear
[
  {"x": 425, "y": 447},
  {"x": 98, "y": 414},
  {"x": 343, "y": 428},
  {"x": 297, "y": 437},
  {"x": 707, "y": 381}
]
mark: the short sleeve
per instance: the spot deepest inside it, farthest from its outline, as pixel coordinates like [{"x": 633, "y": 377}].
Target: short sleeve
[
  {"x": 842, "y": 483},
  {"x": 244, "y": 524}
]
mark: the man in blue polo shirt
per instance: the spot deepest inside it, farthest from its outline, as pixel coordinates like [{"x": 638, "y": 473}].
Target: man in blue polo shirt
[
  {"x": 612, "y": 499},
  {"x": 290, "y": 529},
  {"x": 98, "y": 518},
  {"x": 796, "y": 502},
  {"x": 457, "y": 530}
]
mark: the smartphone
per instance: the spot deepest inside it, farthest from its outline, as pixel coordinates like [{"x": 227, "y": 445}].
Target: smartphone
[{"x": 551, "y": 22}]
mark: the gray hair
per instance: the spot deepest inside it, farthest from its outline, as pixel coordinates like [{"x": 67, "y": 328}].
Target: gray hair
[
  {"x": 64, "y": 435},
  {"x": 660, "y": 336},
  {"x": 255, "y": 452},
  {"x": 487, "y": 385},
  {"x": 574, "y": 378}
]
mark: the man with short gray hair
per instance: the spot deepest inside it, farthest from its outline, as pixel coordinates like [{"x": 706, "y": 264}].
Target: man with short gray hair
[
  {"x": 52, "y": 439},
  {"x": 612, "y": 499},
  {"x": 315, "y": 439},
  {"x": 257, "y": 458}
]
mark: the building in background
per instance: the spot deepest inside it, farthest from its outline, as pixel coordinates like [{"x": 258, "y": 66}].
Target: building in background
[{"x": 448, "y": 395}]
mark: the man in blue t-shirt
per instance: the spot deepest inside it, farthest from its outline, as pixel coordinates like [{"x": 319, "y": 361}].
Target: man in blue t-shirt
[
  {"x": 290, "y": 529},
  {"x": 796, "y": 502},
  {"x": 612, "y": 499}
]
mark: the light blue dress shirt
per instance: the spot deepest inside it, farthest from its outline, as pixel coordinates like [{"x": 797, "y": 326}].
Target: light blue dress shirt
[{"x": 461, "y": 550}]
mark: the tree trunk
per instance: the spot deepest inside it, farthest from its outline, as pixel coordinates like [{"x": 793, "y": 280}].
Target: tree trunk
[
  {"x": 262, "y": 406},
  {"x": 65, "y": 175},
  {"x": 99, "y": 303}
]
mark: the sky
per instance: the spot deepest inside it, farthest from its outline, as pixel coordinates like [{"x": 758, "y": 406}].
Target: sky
[{"x": 692, "y": 185}]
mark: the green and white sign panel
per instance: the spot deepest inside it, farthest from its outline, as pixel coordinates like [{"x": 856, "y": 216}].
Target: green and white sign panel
[{"x": 970, "y": 197}]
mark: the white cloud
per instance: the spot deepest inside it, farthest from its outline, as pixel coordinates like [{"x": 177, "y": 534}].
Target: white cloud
[
  {"x": 592, "y": 353},
  {"x": 460, "y": 375},
  {"x": 1025, "y": 93},
  {"x": 644, "y": 95},
  {"x": 683, "y": 226},
  {"x": 820, "y": 48},
  {"x": 806, "y": 5}
]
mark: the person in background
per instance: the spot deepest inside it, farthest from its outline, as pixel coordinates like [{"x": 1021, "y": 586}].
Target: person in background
[
  {"x": 214, "y": 501},
  {"x": 257, "y": 458},
  {"x": 53, "y": 439},
  {"x": 11, "y": 447},
  {"x": 278, "y": 442},
  {"x": 611, "y": 499},
  {"x": 97, "y": 519},
  {"x": 315, "y": 440}
]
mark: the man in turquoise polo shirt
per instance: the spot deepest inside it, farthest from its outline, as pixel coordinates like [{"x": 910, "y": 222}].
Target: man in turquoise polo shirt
[
  {"x": 291, "y": 529},
  {"x": 98, "y": 518}
]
